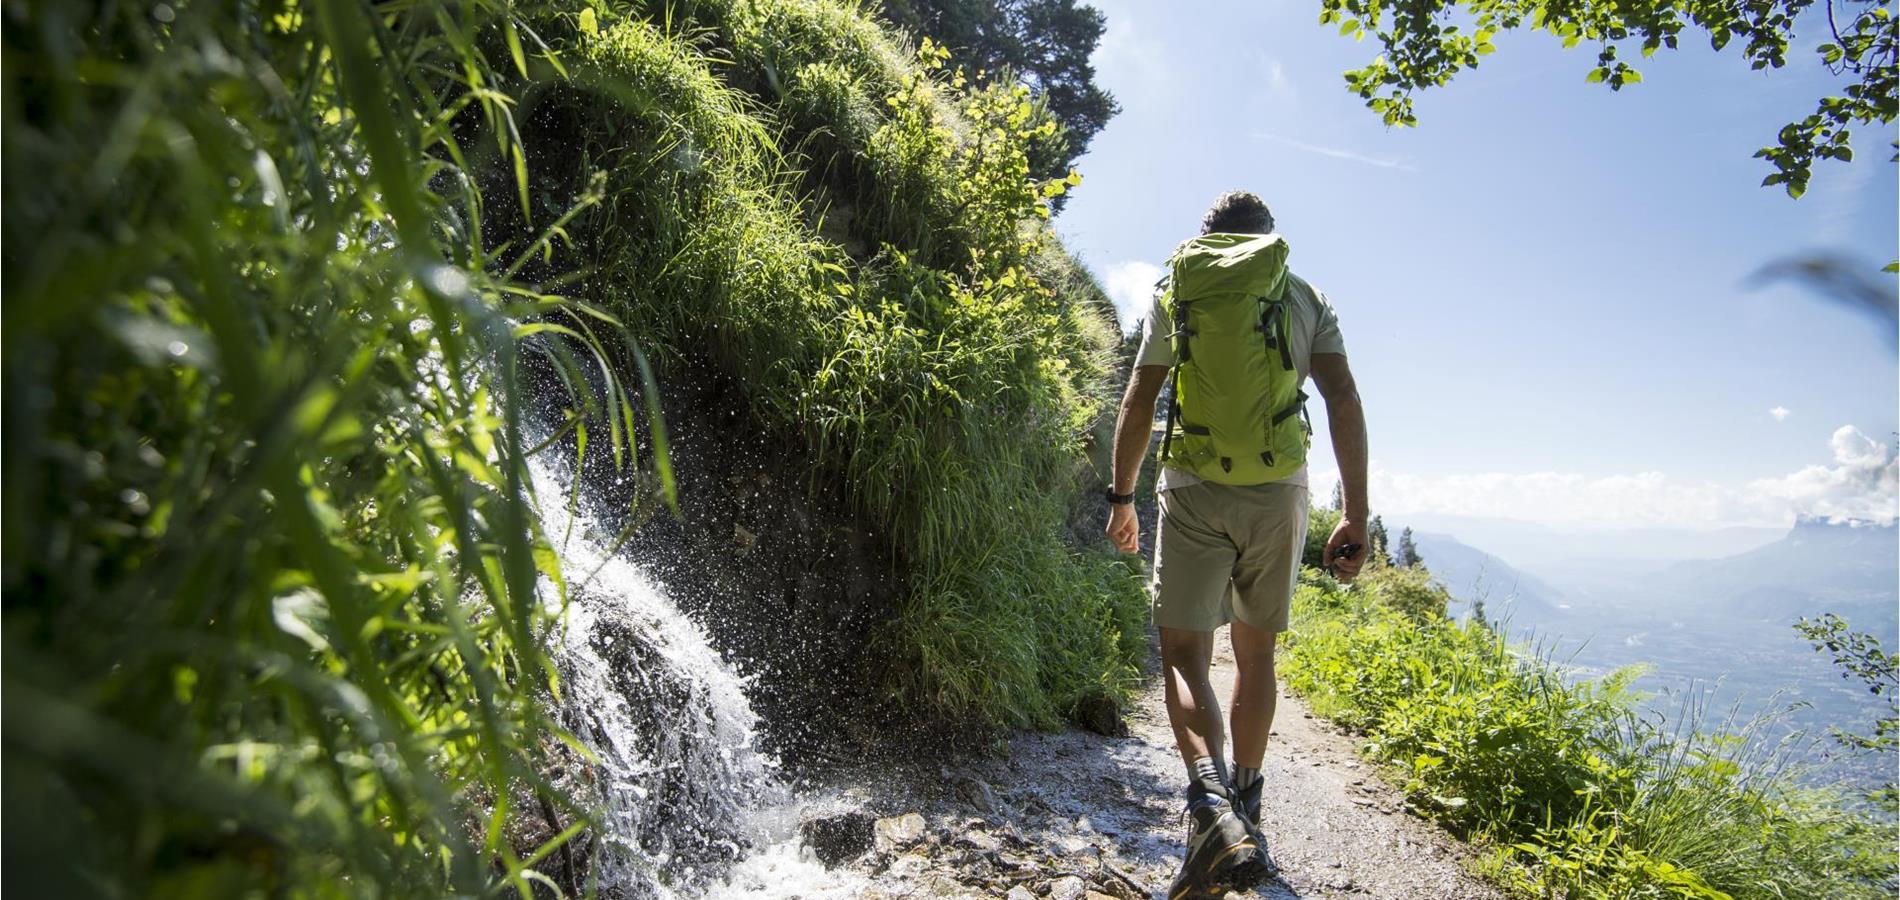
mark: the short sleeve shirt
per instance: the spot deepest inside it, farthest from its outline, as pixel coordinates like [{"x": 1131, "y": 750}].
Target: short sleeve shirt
[{"x": 1315, "y": 330}]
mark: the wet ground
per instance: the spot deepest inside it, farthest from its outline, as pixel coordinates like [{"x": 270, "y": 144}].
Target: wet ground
[{"x": 1081, "y": 816}]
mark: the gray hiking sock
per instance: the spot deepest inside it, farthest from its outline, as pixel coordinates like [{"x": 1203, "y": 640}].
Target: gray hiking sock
[
  {"x": 1244, "y": 777},
  {"x": 1206, "y": 777}
]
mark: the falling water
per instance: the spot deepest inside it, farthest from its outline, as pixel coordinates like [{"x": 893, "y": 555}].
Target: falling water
[{"x": 689, "y": 805}]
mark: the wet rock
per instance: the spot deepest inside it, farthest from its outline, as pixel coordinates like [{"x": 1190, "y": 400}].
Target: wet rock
[
  {"x": 1019, "y": 893},
  {"x": 900, "y": 831},
  {"x": 1101, "y": 714},
  {"x": 1098, "y": 895},
  {"x": 977, "y": 794},
  {"x": 839, "y": 838},
  {"x": 1068, "y": 887},
  {"x": 980, "y": 840}
]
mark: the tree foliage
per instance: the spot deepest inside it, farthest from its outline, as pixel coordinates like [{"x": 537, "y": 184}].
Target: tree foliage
[
  {"x": 1859, "y": 657},
  {"x": 1408, "y": 552},
  {"x": 1377, "y": 543},
  {"x": 1044, "y": 43},
  {"x": 1426, "y": 42}
]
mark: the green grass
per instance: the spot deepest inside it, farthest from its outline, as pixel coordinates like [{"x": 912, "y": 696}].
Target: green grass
[
  {"x": 270, "y": 566},
  {"x": 795, "y": 203},
  {"x": 271, "y": 619},
  {"x": 1572, "y": 791}
]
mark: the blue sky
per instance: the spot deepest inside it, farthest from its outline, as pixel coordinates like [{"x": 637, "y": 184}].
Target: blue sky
[{"x": 1543, "y": 287}]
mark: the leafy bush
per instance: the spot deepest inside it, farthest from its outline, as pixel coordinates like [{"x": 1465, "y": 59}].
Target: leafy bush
[{"x": 1580, "y": 796}]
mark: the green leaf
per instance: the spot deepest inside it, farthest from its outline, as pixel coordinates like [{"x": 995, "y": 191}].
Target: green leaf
[
  {"x": 1596, "y": 75},
  {"x": 1631, "y": 76},
  {"x": 589, "y": 26},
  {"x": 514, "y": 47}
]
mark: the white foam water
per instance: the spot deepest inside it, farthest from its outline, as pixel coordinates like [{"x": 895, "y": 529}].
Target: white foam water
[{"x": 689, "y": 805}]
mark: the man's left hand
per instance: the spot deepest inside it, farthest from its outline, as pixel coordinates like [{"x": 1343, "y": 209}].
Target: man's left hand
[{"x": 1123, "y": 531}]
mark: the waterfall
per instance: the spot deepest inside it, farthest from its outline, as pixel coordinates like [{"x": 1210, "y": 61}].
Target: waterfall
[{"x": 689, "y": 806}]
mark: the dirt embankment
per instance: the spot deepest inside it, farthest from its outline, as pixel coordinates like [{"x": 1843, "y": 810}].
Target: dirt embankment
[{"x": 1079, "y": 815}]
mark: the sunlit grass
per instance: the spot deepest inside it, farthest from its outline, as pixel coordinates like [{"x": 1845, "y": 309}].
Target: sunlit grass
[
  {"x": 272, "y": 578},
  {"x": 272, "y": 617},
  {"x": 1574, "y": 791}
]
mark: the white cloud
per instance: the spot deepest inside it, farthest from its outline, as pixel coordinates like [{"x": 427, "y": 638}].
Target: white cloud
[
  {"x": 1132, "y": 286},
  {"x": 1336, "y": 153},
  {"x": 1780, "y": 413},
  {"x": 1862, "y": 483}
]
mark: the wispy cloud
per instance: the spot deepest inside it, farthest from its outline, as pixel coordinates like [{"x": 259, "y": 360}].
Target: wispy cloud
[
  {"x": 1129, "y": 60},
  {"x": 1780, "y": 413},
  {"x": 1277, "y": 80},
  {"x": 1132, "y": 286},
  {"x": 1336, "y": 153},
  {"x": 1862, "y": 482}
]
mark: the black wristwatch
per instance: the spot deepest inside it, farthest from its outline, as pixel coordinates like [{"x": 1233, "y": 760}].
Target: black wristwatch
[{"x": 1114, "y": 498}]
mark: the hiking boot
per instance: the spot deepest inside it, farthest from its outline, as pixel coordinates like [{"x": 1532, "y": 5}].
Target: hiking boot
[
  {"x": 1247, "y": 802},
  {"x": 1247, "y": 806},
  {"x": 1221, "y": 853}
]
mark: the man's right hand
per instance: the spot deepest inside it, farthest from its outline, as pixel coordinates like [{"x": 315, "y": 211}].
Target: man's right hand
[
  {"x": 1348, "y": 531},
  {"x": 1123, "y": 531}
]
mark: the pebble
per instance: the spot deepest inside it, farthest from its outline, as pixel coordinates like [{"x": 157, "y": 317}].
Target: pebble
[
  {"x": 1020, "y": 893},
  {"x": 1068, "y": 887}
]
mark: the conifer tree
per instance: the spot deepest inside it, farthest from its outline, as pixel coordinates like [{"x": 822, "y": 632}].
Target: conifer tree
[
  {"x": 1376, "y": 543},
  {"x": 1408, "y": 552}
]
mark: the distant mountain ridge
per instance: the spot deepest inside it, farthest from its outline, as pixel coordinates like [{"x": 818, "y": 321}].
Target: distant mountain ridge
[
  {"x": 1819, "y": 564},
  {"x": 1471, "y": 574}
]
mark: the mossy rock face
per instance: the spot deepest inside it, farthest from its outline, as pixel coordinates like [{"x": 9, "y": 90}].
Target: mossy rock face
[{"x": 846, "y": 241}]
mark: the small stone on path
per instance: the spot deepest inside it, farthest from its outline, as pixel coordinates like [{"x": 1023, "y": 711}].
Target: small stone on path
[{"x": 1068, "y": 887}]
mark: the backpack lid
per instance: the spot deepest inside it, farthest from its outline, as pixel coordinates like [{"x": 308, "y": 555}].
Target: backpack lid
[{"x": 1219, "y": 263}]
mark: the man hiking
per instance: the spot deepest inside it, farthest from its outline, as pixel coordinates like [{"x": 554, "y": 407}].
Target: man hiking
[{"x": 1234, "y": 335}]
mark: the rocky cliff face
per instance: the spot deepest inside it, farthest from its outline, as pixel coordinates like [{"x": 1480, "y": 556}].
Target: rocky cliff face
[{"x": 776, "y": 568}]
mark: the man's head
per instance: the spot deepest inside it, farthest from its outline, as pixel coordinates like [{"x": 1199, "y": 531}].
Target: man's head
[{"x": 1238, "y": 212}]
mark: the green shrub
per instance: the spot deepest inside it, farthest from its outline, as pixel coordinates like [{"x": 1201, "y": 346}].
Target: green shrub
[{"x": 1579, "y": 795}]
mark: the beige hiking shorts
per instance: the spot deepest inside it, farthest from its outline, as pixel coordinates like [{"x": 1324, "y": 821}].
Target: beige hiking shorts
[{"x": 1225, "y": 551}]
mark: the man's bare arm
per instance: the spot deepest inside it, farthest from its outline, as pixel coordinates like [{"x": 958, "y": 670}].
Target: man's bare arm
[
  {"x": 1346, "y": 419},
  {"x": 1133, "y": 425}
]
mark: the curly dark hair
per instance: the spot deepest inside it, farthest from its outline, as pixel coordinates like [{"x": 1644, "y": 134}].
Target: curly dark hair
[{"x": 1238, "y": 212}]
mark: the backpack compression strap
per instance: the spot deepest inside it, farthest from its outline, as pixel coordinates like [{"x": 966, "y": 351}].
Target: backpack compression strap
[
  {"x": 1273, "y": 330},
  {"x": 1182, "y": 351}
]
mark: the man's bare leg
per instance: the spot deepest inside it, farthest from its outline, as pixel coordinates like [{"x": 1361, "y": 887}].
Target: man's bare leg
[
  {"x": 1254, "y": 693},
  {"x": 1193, "y": 709}
]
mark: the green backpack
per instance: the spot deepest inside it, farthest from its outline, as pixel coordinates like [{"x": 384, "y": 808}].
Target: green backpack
[{"x": 1237, "y": 415}]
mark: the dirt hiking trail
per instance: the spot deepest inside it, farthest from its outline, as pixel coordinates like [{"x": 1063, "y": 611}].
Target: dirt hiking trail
[{"x": 1082, "y": 816}]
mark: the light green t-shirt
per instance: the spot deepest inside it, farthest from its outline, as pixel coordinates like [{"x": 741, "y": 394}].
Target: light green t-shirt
[{"x": 1315, "y": 330}]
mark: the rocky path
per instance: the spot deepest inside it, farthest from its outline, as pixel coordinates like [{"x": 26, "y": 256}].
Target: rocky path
[{"x": 1081, "y": 816}]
